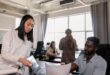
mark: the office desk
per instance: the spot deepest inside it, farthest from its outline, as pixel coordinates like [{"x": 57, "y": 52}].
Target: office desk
[
  {"x": 42, "y": 65},
  {"x": 6, "y": 69},
  {"x": 43, "y": 68}
]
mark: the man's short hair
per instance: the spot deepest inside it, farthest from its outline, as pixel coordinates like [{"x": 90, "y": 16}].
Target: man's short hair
[
  {"x": 68, "y": 31},
  {"x": 95, "y": 40}
]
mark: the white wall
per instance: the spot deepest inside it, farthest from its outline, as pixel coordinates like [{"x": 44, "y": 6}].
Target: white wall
[
  {"x": 6, "y": 23},
  {"x": 36, "y": 30}
]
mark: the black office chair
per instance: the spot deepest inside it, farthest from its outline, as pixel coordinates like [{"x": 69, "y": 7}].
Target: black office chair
[
  {"x": 104, "y": 51},
  {"x": 40, "y": 52}
]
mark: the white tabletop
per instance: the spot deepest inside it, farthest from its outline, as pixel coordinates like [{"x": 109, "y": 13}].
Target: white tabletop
[{"x": 7, "y": 69}]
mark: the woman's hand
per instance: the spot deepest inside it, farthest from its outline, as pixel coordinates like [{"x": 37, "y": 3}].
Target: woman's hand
[
  {"x": 25, "y": 62},
  {"x": 57, "y": 53}
]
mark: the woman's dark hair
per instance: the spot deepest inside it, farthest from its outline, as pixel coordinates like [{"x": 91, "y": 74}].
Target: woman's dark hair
[
  {"x": 51, "y": 45},
  {"x": 21, "y": 31}
]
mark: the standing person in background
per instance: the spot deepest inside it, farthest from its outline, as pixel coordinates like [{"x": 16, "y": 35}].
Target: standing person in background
[
  {"x": 68, "y": 45},
  {"x": 52, "y": 51},
  {"x": 17, "y": 44}
]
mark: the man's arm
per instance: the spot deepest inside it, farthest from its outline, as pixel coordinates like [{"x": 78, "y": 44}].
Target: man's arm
[{"x": 73, "y": 67}]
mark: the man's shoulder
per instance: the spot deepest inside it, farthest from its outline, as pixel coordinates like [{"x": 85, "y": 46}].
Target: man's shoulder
[
  {"x": 100, "y": 61},
  {"x": 62, "y": 39},
  {"x": 99, "y": 58}
]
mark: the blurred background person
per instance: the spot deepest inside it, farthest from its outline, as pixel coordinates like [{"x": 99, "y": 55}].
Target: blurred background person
[
  {"x": 68, "y": 46},
  {"x": 52, "y": 52},
  {"x": 47, "y": 45}
]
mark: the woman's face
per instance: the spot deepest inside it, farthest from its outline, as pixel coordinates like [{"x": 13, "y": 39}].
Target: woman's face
[
  {"x": 28, "y": 25},
  {"x": 53, "y": 45}
]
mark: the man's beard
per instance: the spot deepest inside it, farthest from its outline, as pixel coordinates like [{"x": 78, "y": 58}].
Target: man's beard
[{"x": 89, "y": 53}]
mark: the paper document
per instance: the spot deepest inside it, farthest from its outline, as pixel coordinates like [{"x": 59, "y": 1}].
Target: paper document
[{"x": 35, "y": 66}]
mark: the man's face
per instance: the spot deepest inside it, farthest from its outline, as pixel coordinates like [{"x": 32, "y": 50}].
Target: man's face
[{"x": 89, "y": 48}]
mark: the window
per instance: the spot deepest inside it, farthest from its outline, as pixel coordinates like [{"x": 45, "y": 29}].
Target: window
[
  {"x": 77, "y": 22},
  {"x": 56, "y": 29},
  {"x": 17, "y": 21},
  {"x": 80, "y": 24}
]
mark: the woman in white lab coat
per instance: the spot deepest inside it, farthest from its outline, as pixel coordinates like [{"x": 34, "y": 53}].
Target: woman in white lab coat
[{"x": 17, "y": 44}]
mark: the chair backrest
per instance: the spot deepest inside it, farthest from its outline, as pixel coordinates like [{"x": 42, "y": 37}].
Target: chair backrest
[
  {"x": 104, "y": 51},
  {"x": 40, "y": 52}
]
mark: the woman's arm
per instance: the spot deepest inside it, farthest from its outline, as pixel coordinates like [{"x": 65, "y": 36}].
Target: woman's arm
[
  {"x": 6, "y": 48},
  {"x": 7, "y": 52},
  {"x": 50, "y": 52},
  {"x": 25, "y": 62}
]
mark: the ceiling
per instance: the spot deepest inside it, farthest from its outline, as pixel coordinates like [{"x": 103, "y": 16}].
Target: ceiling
[{"x": 20, "y": 7}]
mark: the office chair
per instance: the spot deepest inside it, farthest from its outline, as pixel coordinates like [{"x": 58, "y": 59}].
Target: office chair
[
  {"x": 104, "y": 51},
  {"x": 40, "y": 52}
]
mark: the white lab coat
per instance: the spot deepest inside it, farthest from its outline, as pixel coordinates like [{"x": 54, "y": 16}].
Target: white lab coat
[{"x": 14, "y": 48}]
